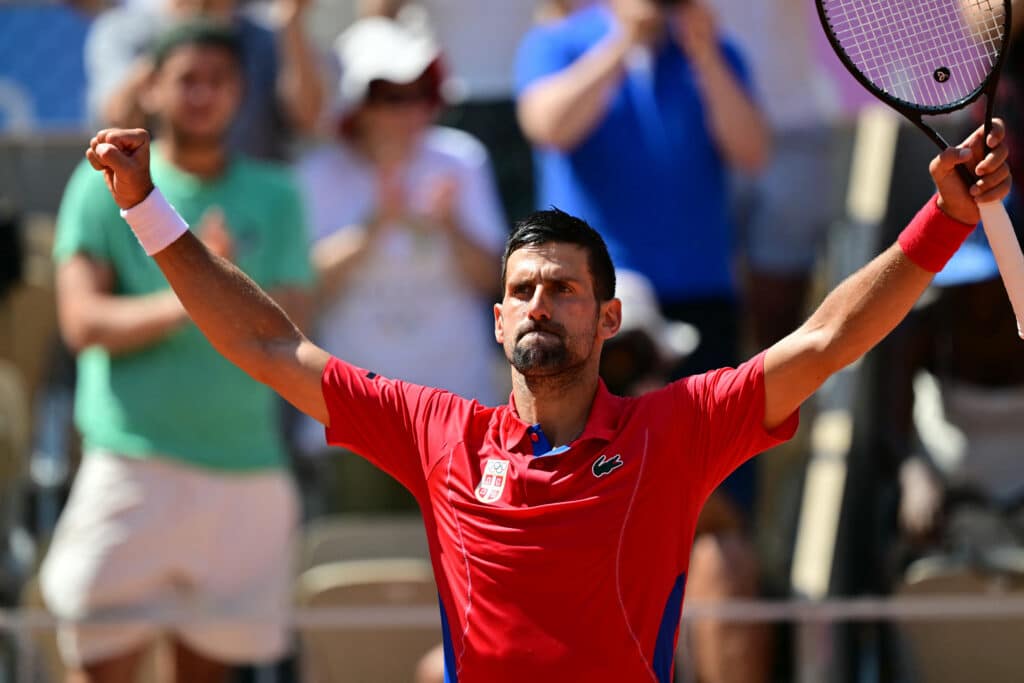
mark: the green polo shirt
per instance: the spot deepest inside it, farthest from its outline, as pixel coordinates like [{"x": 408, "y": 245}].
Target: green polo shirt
[{"x": 179, "y": 398}]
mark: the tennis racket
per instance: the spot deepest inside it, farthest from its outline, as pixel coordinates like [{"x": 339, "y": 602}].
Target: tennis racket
[{"x": 932, "y": 57}]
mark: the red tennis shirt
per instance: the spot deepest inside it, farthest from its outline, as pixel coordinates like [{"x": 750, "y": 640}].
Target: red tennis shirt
[{"x": 557, "y": 564}]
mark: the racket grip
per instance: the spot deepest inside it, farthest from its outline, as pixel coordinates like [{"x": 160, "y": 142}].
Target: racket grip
[{"x": 1003, "y": 241}]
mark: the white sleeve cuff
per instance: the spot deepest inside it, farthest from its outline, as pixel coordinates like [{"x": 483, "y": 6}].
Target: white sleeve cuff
[{"x": 155, "y": 222}]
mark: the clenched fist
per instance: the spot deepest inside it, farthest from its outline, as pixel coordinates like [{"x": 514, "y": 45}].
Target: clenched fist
[{"x": 123, "y": 157}]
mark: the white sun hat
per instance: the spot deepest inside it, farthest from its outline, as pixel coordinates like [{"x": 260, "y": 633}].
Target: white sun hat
[
  {"x": 378, "y": 48},
  {"x": 674, "y": 340}
]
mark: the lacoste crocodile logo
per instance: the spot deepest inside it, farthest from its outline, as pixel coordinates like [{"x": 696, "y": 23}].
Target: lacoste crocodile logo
[{"x": 605, "y": 465}]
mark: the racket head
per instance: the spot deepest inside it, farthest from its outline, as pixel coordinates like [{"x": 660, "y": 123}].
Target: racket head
[{"x": 920, "y": 56}]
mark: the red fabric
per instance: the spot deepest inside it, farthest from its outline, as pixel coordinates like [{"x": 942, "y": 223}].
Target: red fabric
[
  {"x": 932, "y": 238},
  {"x": 565, "y": 574}
]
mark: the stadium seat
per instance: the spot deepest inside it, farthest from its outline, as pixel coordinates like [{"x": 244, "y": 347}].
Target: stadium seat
[
  {"x": 369, "y": 652},
  {"x": 957, "y": 650},
  {"x": 340, "y": 538},
  {"x": 14, "y": 424}
]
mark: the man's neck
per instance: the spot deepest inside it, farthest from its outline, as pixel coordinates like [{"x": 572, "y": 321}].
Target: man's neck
[
  {"x": 203, "y": 160},
  {"x": 559, "y": 403}
]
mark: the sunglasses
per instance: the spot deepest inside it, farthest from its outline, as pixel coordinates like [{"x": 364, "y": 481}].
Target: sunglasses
[{"x": 400, "y": 98}]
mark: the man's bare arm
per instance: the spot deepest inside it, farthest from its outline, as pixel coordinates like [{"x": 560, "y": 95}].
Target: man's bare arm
[
  {"x": 871, "y": 302},
  {"x": 299, "y": 86},
  {"x": 91, "y": 315},
  {"x": 245, "y": 325},
  {"x": 241, "y": 321},
  {"x": 562, "y": 109},
  {"x": 739, "y": 129}
]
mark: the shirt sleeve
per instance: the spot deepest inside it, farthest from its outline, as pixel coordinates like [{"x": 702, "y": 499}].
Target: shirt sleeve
[
  {"x": 397, "y": 426},
  {"x": 540, "y": 54},
  {"x": 726, "y": 420}
]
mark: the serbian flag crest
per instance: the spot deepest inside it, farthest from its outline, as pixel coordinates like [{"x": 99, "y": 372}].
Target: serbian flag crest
[{"x": 493, "y": 481}]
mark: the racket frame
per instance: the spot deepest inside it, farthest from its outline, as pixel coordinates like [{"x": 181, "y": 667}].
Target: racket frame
[{"x": 914, "y": 112}]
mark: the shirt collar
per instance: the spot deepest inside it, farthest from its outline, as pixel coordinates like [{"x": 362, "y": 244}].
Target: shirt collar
[{"x": 602, "y": 422}]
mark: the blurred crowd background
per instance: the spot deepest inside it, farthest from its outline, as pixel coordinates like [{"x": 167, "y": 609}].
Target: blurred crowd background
[{"x": 364, "y": 161}]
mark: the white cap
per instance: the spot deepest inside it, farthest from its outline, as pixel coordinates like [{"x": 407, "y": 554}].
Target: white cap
[
  {"x": 640, "y": 311},
  {"x": 378, "y": 48}
]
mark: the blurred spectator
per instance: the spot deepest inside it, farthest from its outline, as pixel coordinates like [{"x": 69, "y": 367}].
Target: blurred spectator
[
  {"x": 641, "y": 356},
  {"x": 480, "y": 39},
  {"x": 787, "y": 207},
  {"x": 181, "y": 499},
  {"x": 962, "y": 479},
  {"x": 637, "y": 110},
  {"x": 283, "y": 91},
  {"x": 402, "y": 211}
]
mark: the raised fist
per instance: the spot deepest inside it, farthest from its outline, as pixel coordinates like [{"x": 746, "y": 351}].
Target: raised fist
[{"x": 123, "y": 157}]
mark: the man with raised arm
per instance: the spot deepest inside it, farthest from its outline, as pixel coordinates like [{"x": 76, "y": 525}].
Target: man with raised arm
[{"x": 560, "y": 525}]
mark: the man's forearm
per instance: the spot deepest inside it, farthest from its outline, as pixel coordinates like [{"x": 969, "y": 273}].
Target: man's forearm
[
  {"x": 561, "y": 110},
  {"x": 121, "y": 324},
  {"x": 238, "y": 318},
  {"x": 737, "y": 125},
  {"x": 299, "y": 85}
]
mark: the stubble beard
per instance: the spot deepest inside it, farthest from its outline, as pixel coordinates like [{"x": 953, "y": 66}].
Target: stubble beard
[{"x": 539, "y": 360}]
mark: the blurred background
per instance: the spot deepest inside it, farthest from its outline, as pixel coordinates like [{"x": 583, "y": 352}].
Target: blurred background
[{"x": 387, "y": 147}]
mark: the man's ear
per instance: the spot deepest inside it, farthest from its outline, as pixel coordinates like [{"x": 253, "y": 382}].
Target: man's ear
[
  {"x": 611, "y": 319},
  {"x": 499, "y": 326}
]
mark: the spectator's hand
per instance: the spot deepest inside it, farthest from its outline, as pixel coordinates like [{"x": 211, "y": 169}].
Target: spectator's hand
[
  {"x": 214, "y": 233},
  {"x": 920, "y": 498},
  {"x": 955, "y": 198},
  {"x": 392, "y": 205},
  {"x": 123, "y": 157},
  {"x": 640, "y": 20},
  {"x": 288, "y": 11},
  {"x": 696, "y": 32},
  {"x": 442, "y": 203}
]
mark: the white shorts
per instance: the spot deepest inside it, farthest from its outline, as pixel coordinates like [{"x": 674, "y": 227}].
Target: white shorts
[{"x": 144, "y": 537}]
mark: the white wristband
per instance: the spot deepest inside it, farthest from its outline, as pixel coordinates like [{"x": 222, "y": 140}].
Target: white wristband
[{"x": 155, "y": 222}]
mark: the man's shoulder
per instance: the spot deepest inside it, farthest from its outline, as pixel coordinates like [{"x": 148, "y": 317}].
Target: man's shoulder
[{"x": 581, "y": 28}]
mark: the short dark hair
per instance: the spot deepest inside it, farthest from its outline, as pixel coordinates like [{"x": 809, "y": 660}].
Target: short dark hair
[
  {"x": 201, "y": 32},
  {"x": 555, "y": 225}
]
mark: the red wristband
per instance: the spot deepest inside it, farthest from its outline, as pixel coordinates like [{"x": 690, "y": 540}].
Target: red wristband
[{"x": 932, "y": 237}]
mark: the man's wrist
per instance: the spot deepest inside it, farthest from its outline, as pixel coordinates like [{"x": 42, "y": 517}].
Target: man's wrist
[
  {"x": 155, "y": 222},
  {"x": 933, "y": 236}
]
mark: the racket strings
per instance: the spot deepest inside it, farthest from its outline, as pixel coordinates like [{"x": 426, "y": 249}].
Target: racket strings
[{"x": 929, "y": 53}]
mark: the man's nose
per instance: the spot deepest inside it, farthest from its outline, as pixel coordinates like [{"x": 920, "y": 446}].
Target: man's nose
[{"x": 539, "y": 308}]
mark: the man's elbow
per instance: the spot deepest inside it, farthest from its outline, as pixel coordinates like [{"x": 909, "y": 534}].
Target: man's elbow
[
  {"x": 542, "y": 129},
  {"x": 753, "y": 155},
  {"x": 76, "y": 338}
]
